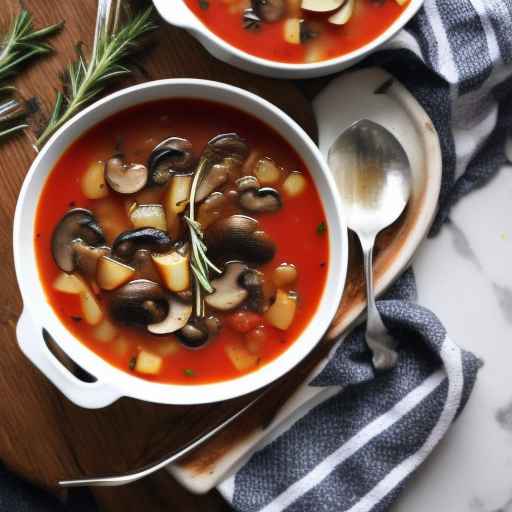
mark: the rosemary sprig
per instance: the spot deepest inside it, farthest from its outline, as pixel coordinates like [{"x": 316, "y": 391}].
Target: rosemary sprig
[
  {"x": 200, "y": 264},
  {"x": 21, "y": 43},
  {"x": 86, "y": 79}
]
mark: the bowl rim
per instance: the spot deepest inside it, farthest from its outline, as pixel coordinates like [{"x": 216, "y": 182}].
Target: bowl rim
[
  {"x": 195, "y": 25},
  {"x": 130, "y": 385}
]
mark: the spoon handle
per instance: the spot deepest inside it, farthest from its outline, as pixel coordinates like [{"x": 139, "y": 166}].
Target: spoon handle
[{"x": 378, "y": 338}]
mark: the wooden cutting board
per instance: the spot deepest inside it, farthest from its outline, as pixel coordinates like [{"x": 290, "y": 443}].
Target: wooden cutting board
[{"x": 44, "y": 437}]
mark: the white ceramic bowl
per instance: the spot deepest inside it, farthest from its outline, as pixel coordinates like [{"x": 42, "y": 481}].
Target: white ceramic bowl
[
  {"x": 177, "y": 13},
  {"x": 113, "y": 383}
]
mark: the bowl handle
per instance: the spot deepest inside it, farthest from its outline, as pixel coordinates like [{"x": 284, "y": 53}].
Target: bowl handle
[
  {"x": 176, "y": 13},
  {"x": 89, "y": 395}
]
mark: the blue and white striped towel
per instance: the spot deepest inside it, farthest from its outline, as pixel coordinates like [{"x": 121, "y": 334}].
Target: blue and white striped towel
[{"x": 356, "y": 450}]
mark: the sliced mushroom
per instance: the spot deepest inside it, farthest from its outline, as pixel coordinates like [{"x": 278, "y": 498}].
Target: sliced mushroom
[
  {"x": 177, "y": 317},
  {"x": 239, "y": 237},
  {"x": 139, "y": 302},
  {"x": 144, "y": 266},
  {"x": 193, "y": 335},
  {"x": 126, "y": 244},
  {"x": 172, "y": 155},
  {"x": 217, "y": 176},
  {"x": 263, "y": 200},
  {"x": 322, "y": 5},
  {"x": 186, "y": 296},
  {"x": 86, "y": 258},
  {"x": 213, "y": 324},
  {"x": 77, "y": 224},
  {"x": 344, "y": 14},
  {"x": 247, "y": 183},
  {"x": 123, "y": 178},
  {"x": 226, "y": 145},
  {"x": 211, "y": 209},
  {"x": 229, "y": 293},
  {"x": 269, "y": 10},
  {"x": 252, "y": 281}
]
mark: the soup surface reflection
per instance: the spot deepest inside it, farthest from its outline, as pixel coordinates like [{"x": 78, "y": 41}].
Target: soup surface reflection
[{"x": 165, "y": 290}]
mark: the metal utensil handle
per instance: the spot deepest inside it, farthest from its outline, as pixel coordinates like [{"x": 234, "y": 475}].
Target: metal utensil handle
[
  {"x": 117, "y": 480},
  {"x": 378, "y": 338},
  {"x": 89, "y": 395}
]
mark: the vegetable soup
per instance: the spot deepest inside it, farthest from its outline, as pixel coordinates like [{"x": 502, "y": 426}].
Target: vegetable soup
[
  {"x": 298, "y": 31},
  {"x": 182, "y": 241}
]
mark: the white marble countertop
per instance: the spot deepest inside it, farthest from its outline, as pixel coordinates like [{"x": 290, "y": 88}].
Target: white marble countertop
[{"x": 464, "y": 275}]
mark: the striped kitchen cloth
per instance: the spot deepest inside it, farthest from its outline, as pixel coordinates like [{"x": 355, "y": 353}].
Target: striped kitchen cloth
[{"x": 356, "y": 450}]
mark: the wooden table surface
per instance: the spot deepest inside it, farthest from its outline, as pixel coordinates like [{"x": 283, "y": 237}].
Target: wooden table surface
[{"x": 43, "y": 436}]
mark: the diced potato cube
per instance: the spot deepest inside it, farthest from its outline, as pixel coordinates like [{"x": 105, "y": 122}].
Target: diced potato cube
[
  {"x": 111, "y": 274},
  {"x": 177, "y": 194},
  {"x": 282, "y": 312},
  {"x": 148, "y": 216},
  {"x": 90, "y": 308},
  {"x": 93, "y": 181},
  {"x": 148, "y": 363},
  {"x": 295, "y": 184},
  {"x": 105, "y": 331},
  {"x": 69, "y": 283},
  {"x": 284, "y": 275},
  {"x": 267, "y": 172},
  {"x": 241, "y": 358},
  {"x": 174, "y": 270},
  {"x": 175, "y": 201},
  {"x": 291, "y": 30}
]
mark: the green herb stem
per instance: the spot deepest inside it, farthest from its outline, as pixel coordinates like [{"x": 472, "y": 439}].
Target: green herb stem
[
  {"x": 85, "y": 80},
  {"x": 200, "y": 264},
  {"x": 21, "y": 44}
]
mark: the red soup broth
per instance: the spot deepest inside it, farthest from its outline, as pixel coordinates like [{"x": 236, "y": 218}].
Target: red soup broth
[
  {"x": 369, "y": 20},
  {"x": 297, "y": 229}
]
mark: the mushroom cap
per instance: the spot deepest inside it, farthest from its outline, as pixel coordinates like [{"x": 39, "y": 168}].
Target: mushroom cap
[
  {"x": 227, "y": 145},
  {"x": 193, "y": 335},
  {"x": 217, "y": 176},
  {"x": 140, "y": 302},
  {"x": 129, "y": 242},
  {"x": 77, "y": 224},
  {"x": 229, "y": 293},
  {"x": 86, "y": 258},
  {"x": 177, "y": 317},
  {"x": 252, "y": 281},
  {"x": 262, "y": 200},
  {"x": 239, "y": 237},
  {"x": 125, "y": 179},
  {"x": 269, "y": 10},
  {"x": 172, "y": 155}
]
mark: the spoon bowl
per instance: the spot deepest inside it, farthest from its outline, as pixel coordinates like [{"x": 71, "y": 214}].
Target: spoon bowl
[{"x": 373, "y": 175}]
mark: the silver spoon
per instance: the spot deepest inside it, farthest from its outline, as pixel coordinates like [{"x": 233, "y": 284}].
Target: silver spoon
[{"x": 373, "y": 175}]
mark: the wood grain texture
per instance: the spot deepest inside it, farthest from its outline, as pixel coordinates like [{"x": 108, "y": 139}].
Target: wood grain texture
[{"x": 43, "y": 436}]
